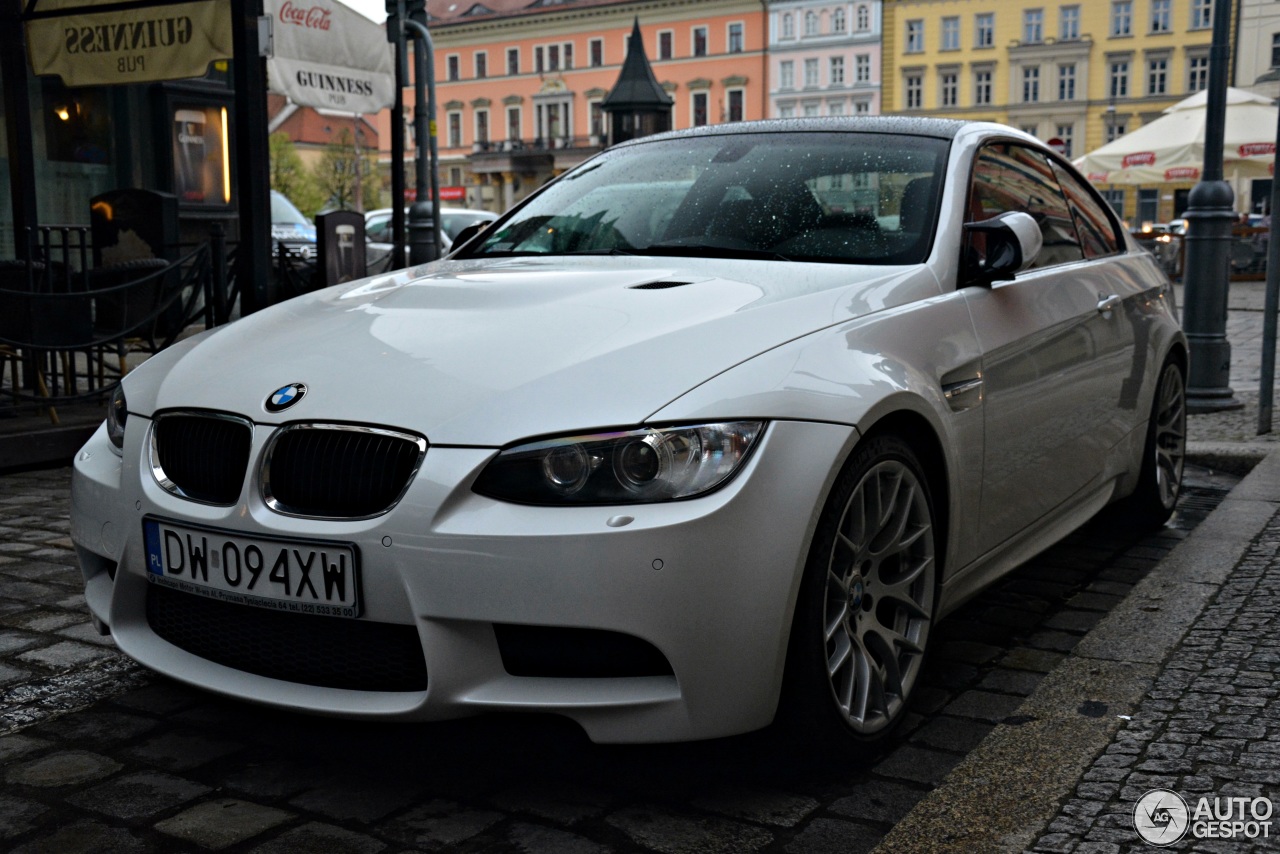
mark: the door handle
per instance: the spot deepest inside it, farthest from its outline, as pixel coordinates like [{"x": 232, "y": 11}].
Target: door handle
[{"x": 1107, "y": 303}]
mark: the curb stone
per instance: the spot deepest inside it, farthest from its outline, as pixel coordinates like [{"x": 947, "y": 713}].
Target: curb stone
[{"x": 1004, "y": 793}]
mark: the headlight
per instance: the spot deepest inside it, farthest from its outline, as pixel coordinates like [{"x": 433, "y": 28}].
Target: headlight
[
  {"x": 631, "y": 467},
  {"x": 117, "y": 412}
]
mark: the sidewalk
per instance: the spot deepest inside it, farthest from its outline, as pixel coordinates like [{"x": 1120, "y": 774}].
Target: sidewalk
[{"x": 1176, "y": 689}]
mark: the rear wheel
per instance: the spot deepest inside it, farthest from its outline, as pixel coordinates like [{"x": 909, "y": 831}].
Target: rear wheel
[
  {"x": 866, "y": 601},
  {"x": 1164, "y": 453}
]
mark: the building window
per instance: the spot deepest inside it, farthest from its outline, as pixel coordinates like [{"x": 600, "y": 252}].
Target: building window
[
  {"x": 539, "y": 64},
  {"x": 1067, "y": 82},
  {"x": 862, "y": 107},
  {"x": 837, "y": 22},
  {"x": 915, "y": 36},
  {"x": 666, "y": 44},
  {"x": 864, "y": 18},
  {"x": 949, "y": 89},
  {"x": 699, "y": 109},
  {"x": 1119, "y": 83},
  {"x": 455, "y": 130},
  {"x": 1275, "y": 50},
  {"x": 1201, "y": 14},
  {"x": 737, "y": 100},
  {"x": 513, "y": 123},
  {"x": 981, "y": 88},
  {"x": 1033, "y": 26},
  {"x": 513, "y": 60},
  {"x": 1030, "y": 84},
  {"x": 455, "y": 176},
  {"x": 1157, "y": 76},
  {"x": 810, "y": 73},
  {"x": 810, "y": 111},
  {"x": 862, "y": 68},
  {"x": 1115, "y": 198},
  {"x": 810, "y": 23},
  {"x": 735, "y": 38},
  {"x": 452, "y": 67},
  {"x": 1197, "y": 73},
  {"x": 1033, "y": 130},
  {"x": 915, "y": 91},
  {"x": 836, "y": 71},
  {"x": 786, "y": 112},
  {"x": 835, "y": 109},
  {"x": 482, "y": 65},
  {"x": 1115, "y": 130},
  {"x": 595, "y": 52},
  {"x": 482, "y": 126},
  {"x": 788, "y": 26},
  {"x": 1122, "y": 18},
  {"x": 568, "y": 56},
  {"x": 1069, "y": 23},
  {"x": 553, "y": 57},
  {"x": 787, "y": 75},
  {"x": 1066, "y": 133},
  {"x": 597, "y": 119},
  {"x": 699, "y": 41},
  {"x": 984, "y": 29},
  {"x": 1160, "y": 16},
  {"x": 950, "y": 33}
]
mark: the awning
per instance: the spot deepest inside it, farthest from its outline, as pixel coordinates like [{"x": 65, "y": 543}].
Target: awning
[
  {"x": 329, "y": 56},
  {"x": 86, "y": 46}
]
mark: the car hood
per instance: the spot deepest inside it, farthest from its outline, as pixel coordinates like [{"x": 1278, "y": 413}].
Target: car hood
[{"x": 486, "y": 353}]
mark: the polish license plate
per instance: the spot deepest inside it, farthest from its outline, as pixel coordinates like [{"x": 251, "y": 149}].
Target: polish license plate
[{"x": 297, "y": 576}]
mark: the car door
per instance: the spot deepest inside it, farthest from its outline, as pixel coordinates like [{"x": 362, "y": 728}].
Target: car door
[{"x": 1056, "y": 347}]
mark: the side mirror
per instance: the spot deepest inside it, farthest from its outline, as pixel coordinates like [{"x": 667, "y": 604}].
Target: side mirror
[
  {"x": 1013, "y": 240},
  {"x": 469, "y": 232}
]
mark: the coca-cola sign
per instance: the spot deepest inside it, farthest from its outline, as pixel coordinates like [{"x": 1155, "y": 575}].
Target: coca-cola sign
[
  {"x": 1139, "y": 158},
  {"x": 1254, "y": 149},
  {"x": 311, "y": 17}
]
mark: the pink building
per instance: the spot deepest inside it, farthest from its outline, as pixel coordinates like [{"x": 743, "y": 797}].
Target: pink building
[{"x": 824, "y": 58}]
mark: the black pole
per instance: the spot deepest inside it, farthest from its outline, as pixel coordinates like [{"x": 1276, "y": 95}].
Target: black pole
[
  {"x": 253, "y": 170},
  {"x": 424, "y": 217},
  {"x": 1266, "y": 385},
  {"x": 395, "y": 34},
  {"x": 22, "y": 158},
  {"x": 1209, "y": 216}
]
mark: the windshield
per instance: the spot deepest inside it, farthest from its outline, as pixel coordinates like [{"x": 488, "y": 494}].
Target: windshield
[
  {"x": 837, "y": 197},
  {"x": 284, "y": 213}
]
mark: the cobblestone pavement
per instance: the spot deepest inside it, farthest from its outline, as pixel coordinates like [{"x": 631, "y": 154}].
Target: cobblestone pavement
[
  {"x": 1209, "y": 727},
  {"x": 100, "y": 755}
]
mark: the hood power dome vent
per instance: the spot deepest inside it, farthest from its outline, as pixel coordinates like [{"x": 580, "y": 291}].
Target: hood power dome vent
[{"x": 659, "y": 286}]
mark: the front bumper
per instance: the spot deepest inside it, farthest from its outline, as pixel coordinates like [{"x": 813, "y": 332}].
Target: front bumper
[{"x": 709, "y": 582}]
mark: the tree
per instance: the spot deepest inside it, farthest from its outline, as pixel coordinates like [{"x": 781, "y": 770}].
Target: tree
[
  {"x": 336, "y": 175},
  {"x": 289, "y": 175}
]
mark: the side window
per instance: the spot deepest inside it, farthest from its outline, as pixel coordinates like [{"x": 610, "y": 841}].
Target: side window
[
  {"x": 1096, "y": 229},
  {"x": 1010, "y": 177}
]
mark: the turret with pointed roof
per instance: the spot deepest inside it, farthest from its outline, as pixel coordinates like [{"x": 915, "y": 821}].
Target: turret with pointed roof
[{"x": 637, "y": 104}]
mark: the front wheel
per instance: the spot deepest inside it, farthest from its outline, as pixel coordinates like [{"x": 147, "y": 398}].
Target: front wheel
[{"x": 866, "y": 602}]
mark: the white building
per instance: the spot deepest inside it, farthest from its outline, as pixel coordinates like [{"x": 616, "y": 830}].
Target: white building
[{"x": 824, "y": 58}]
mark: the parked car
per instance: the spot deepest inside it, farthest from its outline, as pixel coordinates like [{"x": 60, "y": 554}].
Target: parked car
[
  {"x": 377, "y": 224},
  {"x": 678, "y": 447},
  {"x": 290, "y": 227}
]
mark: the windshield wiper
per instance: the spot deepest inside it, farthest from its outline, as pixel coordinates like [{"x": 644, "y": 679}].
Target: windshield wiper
[{"x": 704, "y": 248}]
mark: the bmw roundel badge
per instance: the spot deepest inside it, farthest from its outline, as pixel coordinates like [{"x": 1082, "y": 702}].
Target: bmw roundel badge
[{"x": 286, "y": 396}]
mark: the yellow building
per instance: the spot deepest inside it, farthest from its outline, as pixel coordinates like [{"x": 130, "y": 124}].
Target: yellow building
[{"x": 1083, "y": 71}]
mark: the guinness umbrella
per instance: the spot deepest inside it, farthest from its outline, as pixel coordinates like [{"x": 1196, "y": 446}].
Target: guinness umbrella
[
  {"x": 1171, "y": 148},
  {"x": 329, "y": 56}
]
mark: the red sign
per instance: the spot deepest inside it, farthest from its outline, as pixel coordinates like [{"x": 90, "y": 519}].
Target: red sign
[
  {"x": 453, "y": 194},
  {"x": 1057, "y": 145},
  {"x": 410, "y": 194},
  {"x": 1098, "y": 177},
  {"x": 1140, "y": 158},
  {"x": 1182, "y": 173},
  {"x": 1253, "y": 149},
  {"x": 314, "y": 18}
]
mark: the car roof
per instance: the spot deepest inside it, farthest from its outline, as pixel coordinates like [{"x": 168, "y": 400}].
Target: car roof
[{"x": 896, "y": 125}]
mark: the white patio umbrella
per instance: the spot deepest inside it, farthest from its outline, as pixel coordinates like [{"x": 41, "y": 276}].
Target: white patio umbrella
[{"x": 1171, "y": 148}]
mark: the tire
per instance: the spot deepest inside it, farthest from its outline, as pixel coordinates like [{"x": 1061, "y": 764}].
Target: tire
[
  {"x": 1163, "y": 453},
  {"x": 866, "y": 603}
]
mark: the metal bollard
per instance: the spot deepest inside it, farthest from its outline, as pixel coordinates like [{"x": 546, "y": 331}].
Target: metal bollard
[{"x": 422, "y": 234}]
